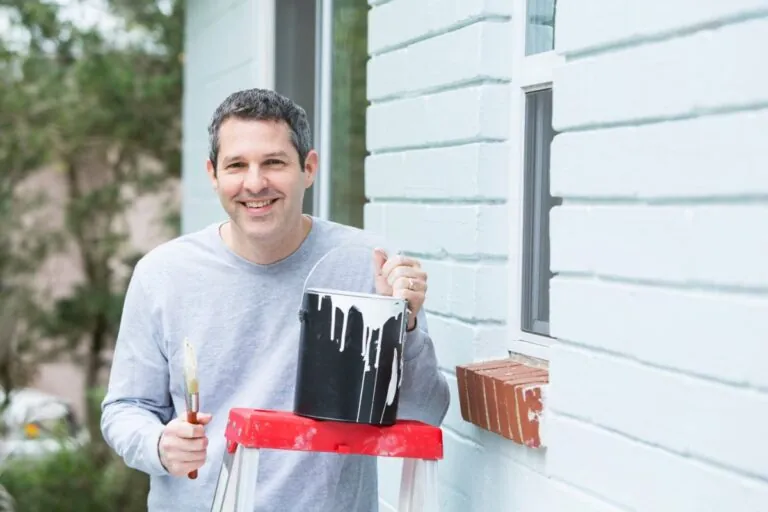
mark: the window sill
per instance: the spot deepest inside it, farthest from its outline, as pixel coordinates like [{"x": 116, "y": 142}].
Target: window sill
[{"x": 505, "y": 397}]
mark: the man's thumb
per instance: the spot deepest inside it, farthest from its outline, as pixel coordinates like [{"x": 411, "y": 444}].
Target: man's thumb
[
  {"x": 379, "y": 259},
  {"x": 203, "y": 418}
]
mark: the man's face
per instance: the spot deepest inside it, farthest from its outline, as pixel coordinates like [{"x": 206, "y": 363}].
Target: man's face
[{"x": 259, "y": 179}]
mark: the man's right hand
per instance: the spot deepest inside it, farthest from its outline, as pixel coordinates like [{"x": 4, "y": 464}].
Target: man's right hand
[{"x": 183, "y": 445}]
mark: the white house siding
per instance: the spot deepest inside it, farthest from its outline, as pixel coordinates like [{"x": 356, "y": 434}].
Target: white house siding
[
  {"x": 659, "y": 389},
  {"x": 437, "y": 180},
  {"x": 223, "y": 53}
]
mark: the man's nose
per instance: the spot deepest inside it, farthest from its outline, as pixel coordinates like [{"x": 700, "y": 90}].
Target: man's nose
[{"x": 254, "y": 179}]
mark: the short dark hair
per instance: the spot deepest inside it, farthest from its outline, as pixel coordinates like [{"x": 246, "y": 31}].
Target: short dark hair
[{"x": 261, "y": 105}]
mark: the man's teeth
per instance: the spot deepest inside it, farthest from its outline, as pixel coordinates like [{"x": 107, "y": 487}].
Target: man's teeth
[{"x": 258, "y": 204}]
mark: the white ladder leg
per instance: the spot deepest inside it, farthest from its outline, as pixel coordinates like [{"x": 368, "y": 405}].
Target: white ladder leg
[
  {"x": 236, "y": 487},
  {"x": 418, "y": 486},
  {"x": 246, "y": 484},
  {"x": 224, "y": 498}
]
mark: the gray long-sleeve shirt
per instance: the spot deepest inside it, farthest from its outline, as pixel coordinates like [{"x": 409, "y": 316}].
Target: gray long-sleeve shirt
[{"x": 243, "y": 321}]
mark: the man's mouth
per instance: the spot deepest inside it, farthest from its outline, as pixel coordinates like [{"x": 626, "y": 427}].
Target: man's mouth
[{"x": 259, "y": 204}]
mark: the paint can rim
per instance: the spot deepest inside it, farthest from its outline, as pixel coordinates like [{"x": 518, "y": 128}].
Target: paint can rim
[{"x": 331, "y": 291}]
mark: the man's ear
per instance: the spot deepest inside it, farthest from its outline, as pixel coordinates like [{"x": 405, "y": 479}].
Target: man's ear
[
  {"x": 211, "y": 173},
  {"x": 310, "y": 168}
]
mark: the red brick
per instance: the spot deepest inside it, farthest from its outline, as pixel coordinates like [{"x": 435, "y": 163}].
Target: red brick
[
  {"x": 529, "y": 410},
  {"x": 491, "y": 401},
  {"x": 462, "y": 376},
  {"x": 477, "y": 394},
  {"x": 504, "y": 397},
  {"x": 471, "y": 393}
]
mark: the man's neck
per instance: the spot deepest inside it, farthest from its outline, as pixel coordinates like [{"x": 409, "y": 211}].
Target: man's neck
[{"x": 261, "y": 252}]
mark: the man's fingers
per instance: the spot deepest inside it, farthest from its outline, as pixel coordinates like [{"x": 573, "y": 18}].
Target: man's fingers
[
  {"x": 171, "y": 443},
  {"x": 403, "y": 274},
  {"x": 399, "y": 261},
  {"x": 379, "y": 259},
  {"x": 410, "y": 296},
  {"x": 410, "y": 284},
  {"x": 183, "y": 456},
  {"x": 192, "y": 445},
  {"x": 204, "y": 418},
  {"x": 188, "y": 431}
]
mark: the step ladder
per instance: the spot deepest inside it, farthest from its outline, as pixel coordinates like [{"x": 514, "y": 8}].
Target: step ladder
[{"x": 249, "y": 430}]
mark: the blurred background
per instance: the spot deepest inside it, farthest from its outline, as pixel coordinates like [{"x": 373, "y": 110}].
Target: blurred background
[
  {"x": 90, "y": 141},
  {"x": 93, "y": 103}
]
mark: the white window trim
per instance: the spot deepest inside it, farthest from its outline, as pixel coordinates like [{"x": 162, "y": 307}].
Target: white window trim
[
  {"x": 263, "y": 16},
  {"x": 323, "y": 106},
  {"x": 528, "y": 74}
]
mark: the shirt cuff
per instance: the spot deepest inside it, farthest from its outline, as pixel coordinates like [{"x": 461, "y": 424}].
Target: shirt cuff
[
  {"x": 152, "y": 451},
  {"x": 414, "y": 343}
]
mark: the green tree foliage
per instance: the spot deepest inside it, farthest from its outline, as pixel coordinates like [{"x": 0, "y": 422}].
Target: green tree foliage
[{"x": 103, "y": 107}]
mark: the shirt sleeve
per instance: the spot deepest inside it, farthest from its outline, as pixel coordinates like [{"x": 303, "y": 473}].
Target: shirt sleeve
[
  {"x": 138, "y": 404},
  {"x": 424, "y": 393}
]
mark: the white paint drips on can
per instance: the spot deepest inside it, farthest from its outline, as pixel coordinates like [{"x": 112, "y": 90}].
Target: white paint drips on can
[
  {"x": 393, "y": 381},
  {"x": 375, "y": 312}
]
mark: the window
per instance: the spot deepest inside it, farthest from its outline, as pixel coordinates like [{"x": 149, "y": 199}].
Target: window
[
  {"x": 321, "y": 54},
  {"x": 539, "y": 26},
  {"x": 295, "y": 60},
  {"x": 341, "y": 53},
  {"x": 349, "y": 102},
  {"x": 537, "y": 203},
  {"x": 529, "y": 199}
]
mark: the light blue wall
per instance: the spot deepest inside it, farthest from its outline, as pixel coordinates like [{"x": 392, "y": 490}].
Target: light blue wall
[
  {"x": 218, "y": 62},
  {"x": 659, "y": 395}
]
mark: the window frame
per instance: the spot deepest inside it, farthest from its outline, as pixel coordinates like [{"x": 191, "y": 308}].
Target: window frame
[{"x": 529, "y": 74}]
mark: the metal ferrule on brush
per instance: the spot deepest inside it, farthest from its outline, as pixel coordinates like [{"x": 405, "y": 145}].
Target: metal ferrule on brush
[{"x": 193, "y": 402}]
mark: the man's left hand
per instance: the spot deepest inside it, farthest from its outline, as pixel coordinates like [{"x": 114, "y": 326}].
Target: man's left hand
[{"x": 401, "y": 276}]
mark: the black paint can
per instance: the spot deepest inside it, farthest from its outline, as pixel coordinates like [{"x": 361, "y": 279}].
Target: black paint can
[{"x": 350, "y": 361}]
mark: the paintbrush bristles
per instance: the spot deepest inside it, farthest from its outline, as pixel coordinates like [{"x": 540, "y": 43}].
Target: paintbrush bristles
[{"x": 190, "y": 367}]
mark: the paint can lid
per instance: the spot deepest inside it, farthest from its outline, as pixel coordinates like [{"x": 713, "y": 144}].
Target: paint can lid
[{"x": 330, "y": 291}]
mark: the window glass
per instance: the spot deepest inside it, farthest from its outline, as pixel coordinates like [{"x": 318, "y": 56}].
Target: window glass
[
  {"x": 537, "y": 206},
  {"x": 348, "y": 107},
  {"x": 295, "y": 60},
  {"x": 540, "y": 26}
]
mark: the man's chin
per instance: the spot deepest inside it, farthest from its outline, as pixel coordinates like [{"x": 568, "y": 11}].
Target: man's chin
[{"x": 259, "y": 228}]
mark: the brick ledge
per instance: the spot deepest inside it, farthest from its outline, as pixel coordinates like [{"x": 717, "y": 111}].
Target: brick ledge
[{"x": 504, "y": 396}]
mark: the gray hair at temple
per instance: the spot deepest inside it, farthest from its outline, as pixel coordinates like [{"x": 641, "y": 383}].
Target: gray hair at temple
[{"x": 261, "y": 105}]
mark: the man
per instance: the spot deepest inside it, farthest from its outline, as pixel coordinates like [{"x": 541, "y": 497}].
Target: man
[{"x": 234, "y": 289}]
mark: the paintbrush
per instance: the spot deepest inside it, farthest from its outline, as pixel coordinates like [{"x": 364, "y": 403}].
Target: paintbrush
[{"x": 192, "y": 388}]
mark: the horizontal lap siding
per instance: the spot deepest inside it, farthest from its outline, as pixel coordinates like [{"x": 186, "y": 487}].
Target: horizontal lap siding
[
  {"x": 659, "y": 395},
  {"x": 437, "y": 181}
]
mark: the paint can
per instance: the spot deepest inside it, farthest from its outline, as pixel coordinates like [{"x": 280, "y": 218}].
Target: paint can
[{"x": 350, "y": 362}]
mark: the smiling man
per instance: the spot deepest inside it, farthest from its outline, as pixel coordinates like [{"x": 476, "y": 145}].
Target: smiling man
[{"x": 233, "y": 288}]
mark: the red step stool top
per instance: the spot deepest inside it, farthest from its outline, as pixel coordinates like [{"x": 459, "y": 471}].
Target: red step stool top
[{"x": 256, "y": 428}]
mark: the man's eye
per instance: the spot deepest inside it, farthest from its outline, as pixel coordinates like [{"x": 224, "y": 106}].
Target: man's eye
[
  {"x": 235, "y": 164},
  {"x": 274, "y": 162}
]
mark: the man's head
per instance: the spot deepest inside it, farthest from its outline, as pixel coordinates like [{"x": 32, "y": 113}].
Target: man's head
[{"x": 261, "y": 162}]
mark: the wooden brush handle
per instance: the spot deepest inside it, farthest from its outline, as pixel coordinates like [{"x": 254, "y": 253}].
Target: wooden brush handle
[{"x": 192, "y": 418}]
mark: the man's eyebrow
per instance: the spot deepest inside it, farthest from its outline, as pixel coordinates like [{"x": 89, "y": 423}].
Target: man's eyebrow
[
  {"x": 231, "y": 159},
  {"x": 281, "y": 154}
]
